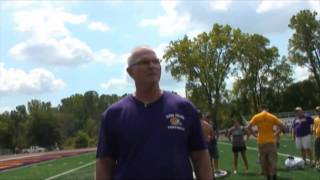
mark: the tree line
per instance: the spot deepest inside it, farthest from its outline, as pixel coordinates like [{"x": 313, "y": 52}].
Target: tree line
[
  {"x": 205, "y": 62},
  {"x": 73, "y": 124},
  {"x": 261, "y": 75}
]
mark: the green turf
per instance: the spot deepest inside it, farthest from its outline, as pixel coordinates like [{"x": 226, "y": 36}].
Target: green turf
[
  {"x": 86, "y": 173},
  {"x": 47, "y": 169},
  {"x": 226, "y": 163},
  {"x": 51, "y": 168}
]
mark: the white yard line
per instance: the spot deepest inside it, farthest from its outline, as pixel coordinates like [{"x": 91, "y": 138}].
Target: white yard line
[
  {"x": 70, "y": 171},
  {"x": 255, "y": 149}
]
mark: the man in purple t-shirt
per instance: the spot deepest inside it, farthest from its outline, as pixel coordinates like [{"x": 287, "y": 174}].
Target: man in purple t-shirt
[
  {"x": 302, "y": 133},
  {"x": 151, "y": 134}
]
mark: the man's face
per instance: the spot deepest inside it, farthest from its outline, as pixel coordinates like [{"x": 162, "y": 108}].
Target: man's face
[
  {"x": 236, "y": 123},
  {"x": 300, "y": 113},
  {"x": 146, "y": 69}
]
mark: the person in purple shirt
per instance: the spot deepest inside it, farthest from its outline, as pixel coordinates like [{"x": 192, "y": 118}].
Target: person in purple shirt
[
  {"x": 302, "y": 133},
  {"x": 151, "y": 134}
]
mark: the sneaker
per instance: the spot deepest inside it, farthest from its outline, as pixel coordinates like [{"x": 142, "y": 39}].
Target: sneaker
[{"x": 234, "y": 172}]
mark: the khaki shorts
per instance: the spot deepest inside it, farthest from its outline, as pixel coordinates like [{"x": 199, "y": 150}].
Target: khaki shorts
[
  {"x": 268, "y": 154},
  {"x": 303, "y": 142}
]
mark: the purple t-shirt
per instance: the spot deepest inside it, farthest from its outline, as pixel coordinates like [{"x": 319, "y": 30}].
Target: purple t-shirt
[
  {"x": 302, "y": 126},
  {"x": 153, "y": 141}
]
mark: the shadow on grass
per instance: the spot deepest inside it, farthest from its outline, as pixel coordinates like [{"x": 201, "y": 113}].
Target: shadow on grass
[{"x": 284, "y": 178}]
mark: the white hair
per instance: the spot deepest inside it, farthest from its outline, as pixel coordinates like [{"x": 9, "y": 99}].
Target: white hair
[{"x": 132, "y": 59}]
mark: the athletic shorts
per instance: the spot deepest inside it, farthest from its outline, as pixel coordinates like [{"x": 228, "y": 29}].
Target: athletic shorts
[
  {"x": 268, "y": 154},
  {"x": 213, "y": 149},
  {"x": 317, "y": 147},
  {"x": 237, "y": 149},
  {"x": 303, "y": 142}
]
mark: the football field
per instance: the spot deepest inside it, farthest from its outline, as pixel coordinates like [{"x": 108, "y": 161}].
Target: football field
[{"x": 83, "y": 166}]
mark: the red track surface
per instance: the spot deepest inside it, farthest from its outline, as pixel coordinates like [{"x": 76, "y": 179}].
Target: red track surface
[{"x": 13, "y": 161}]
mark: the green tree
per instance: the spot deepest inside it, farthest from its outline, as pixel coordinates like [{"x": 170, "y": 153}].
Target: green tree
[
  {"x": 16, "y": 127},
  {"x": 90, "y": 103},
  {"x": 82, "y": 140},
  {"x": 304, "y": 45},
  {"x": 205, "y": 61},
  {"x": 281, "y": 79},
  {"x": 5, "y": 134},
  {"x": 259, "y": 70},
  {"x": 74, "y": 105},
  {"x": 107, "y": 100},
  {"x": 303, "y": 93},
  {"x": 43, "y": 127}
]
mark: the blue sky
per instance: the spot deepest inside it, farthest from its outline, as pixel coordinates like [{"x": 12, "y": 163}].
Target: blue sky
[{"x": 51, "y": 50}]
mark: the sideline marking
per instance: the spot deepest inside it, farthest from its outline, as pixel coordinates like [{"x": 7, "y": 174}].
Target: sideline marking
[{"x": 71, "y": 170}]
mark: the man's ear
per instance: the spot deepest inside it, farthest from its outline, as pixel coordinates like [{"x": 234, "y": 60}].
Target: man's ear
[{"x": 129, "y": 71}]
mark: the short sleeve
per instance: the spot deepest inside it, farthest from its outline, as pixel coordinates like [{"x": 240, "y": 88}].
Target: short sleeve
[
  {"x": 253, "y": 120},
  {"x": 311, "y": 121},
  {"x": 276, "y": 120},
  {"x": 196, "y": 139},
  {"x": 230, "y": 130},
  {"x": 106, "y": 144},
  {"x": 293, "y": 123}
]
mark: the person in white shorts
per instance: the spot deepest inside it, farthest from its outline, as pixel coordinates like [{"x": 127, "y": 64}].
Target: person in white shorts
[{"x": 302, "y": 133}]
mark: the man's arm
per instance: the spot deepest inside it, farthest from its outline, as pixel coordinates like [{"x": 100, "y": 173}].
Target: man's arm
[
  {"x": 211, "y": 132},
  {"x": 293, "y": 133},
  {"x": 202, "y": 166},
  {"x": 104, "y": 167},
  {"x": 247, "y": 133},
  {"x": 229, "y": 134},
  {"x": 279, "y": 130},
  {"x": 315, "y": 125},
  {"x": 249, "y": 129}
]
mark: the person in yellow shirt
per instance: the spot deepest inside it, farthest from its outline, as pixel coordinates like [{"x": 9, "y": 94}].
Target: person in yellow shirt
[
  {"x": 316, "y": 128},
  {"x": 266, "y": 139}
]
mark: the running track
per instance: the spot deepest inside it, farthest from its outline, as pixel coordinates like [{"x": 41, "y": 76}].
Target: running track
[{"x": 13, "y": 161}]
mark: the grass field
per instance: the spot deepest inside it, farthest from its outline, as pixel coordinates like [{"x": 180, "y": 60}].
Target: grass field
[
  {"x": 83, "y": 166},
  {"x": 52, "y": 168}
]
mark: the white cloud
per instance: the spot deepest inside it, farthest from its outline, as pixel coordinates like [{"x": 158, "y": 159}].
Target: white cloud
[
  {"x": 315, "y": 4},
  {"x": 46, "y": 23},
  {"x": 119, "y": 85},
  {"x": 14, "y": 4},
  {"x": 243, "y": 14},
  {"x": 301, "y": 73},
  {"x": 37, "y": 80},
  {"x": 194, "y": 33},
  {"x": 229, "y": 82},
  {"x": 115, "y": 83},
  {"x": 220, "y": 5},
  {"x": 49, "y": 42},
  {"x": 99, "y": 26},
  {"x": 5, "y": 108},
  {"x": 65, "y": 52},
  {"x": 267, "y": 5},
  {"x": 31, "y": 4},
  {"x": 105, "y": 56},
  {"x": 172, "y": 22}
]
